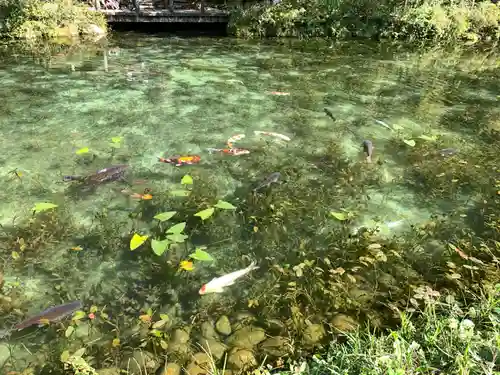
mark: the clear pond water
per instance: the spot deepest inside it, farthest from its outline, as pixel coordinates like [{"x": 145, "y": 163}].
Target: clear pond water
[{"x": 173, "y": 96}]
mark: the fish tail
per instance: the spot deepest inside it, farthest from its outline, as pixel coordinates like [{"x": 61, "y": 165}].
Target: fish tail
[{"x": 253, "y": 266}]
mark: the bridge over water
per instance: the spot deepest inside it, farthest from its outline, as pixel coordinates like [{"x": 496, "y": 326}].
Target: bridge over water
[{"x": 162, "y": 11}]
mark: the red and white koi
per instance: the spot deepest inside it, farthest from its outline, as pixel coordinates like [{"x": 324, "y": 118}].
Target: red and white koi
[
  {"x": 234, "y": 138},
  {"x": 230, "y": 151},
  {"x": 280, "y": 93},
  {"x": 217, "y": 284}
]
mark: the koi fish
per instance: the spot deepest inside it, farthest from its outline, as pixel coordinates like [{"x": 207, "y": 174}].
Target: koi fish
[
  {"x": 230, "y": 151},
  {"x": 181, "y": 160},
  {"x": 234, "y": 138},
  {"x": 272, "y": 134},
  {"x": 280, "y": 93},
  {"x": 271, "y": 179},
  {"x": 144, "y": 196},
  {"x": 112, "y": 173},
  {"x": 368, "y": 149},
  {"x": 217, "y": 284},
  {"x": 329, "y": 114},
  {"x": 52, "y": 314}
]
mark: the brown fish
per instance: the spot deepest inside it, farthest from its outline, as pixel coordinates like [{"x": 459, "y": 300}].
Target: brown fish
[{"x": 52, "y": 314}]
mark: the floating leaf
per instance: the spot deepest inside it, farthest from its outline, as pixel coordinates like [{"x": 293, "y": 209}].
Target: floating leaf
[
  {"x": 159, "y": 247},
  {"x": 186, "y": 265},
  {"x": 137, "y": 240},
  {"x": 164, "y": 317},
  {"x": 205, "y": 214},
  {"x": 43, "y": 206},
  {"x": 187, "y": 180},
  {"x": 164, "y": 344},
  {"x": 93, "y": 309},
  {"x": 409, "y": 142},
  {"x": 69, "y": 331},
  {"x": 201, "y": 255},
  {"x": 79, "y": 315},
  {"x": 223, "y": 205},
  {"x": 177, "y": 237},
  {"x": 177, "y": 228},
  {"x": 145, "y": 318},
  {"x": 155, "y": 332},
  {"x": 64, "y": 356},
  {"x": 159, "y": 324},
  {"x": 15, "y": 255},
  {"x": 164, "y": 216},
  {"x": 104, "y": 315},
  {"x": 79, "y": 352},
  {"x": 339, "y": 215},
  {"x": 428, "y": 138},
  {"x": 116, "y": 139},
  {"x": 83, "y": 150},
  {"x": 180, "y": 193},
  {"x": 115, "y": 343}
]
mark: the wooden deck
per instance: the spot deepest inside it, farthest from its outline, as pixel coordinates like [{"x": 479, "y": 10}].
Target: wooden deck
[{"x": 166, "y": 16}]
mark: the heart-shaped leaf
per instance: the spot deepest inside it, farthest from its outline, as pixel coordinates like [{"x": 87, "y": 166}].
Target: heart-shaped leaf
[
  {"x": 187, "y": 180},
  {"x": 137, "y": 240},
  {"x": 159, "y": 324},
  {"x": 177, "y": 237},
  {"x": 177, "y": 228},
  {"x": 79, "y": 315},
  {"x": 339, "y": 215},
  {"x": 223, "y": 205},
  {"x": 164, "y": 216},
  {"x": 180, "y": 193},
  {"x": 116, "y": 139},
  {"x": 159, "y": 247},
  {"x": 80, "y": 352},
  {"x": 201, "y": 255},
  {"x": 43, "y": 206},
  {"x": 409, "y": 142},
  {"x": 205, "y": 214},
  {"x": 69, "y": 331},
  {"x": 83, "y": 150}
]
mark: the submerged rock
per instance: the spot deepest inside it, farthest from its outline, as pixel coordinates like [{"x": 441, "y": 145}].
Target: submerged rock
[
  {"x": 276, "y": 346},
  {"x": 241, "y": 359},
  {"x": 242, "y": 319},
  {"x": 344, "y": 323},
  {"x": 4, "y": 354},
  {"x": 207, "y": 330},
  {"x": 247, "y": 337},
  {"x": 214, "y": 347},
  {"x": 109, "y": 371},
  {"x": 223, "y": 325},
  {"x": 313, "y": 334},
  {"x": 169, "y": 369},
  {"x": 179, "y": 342},
  {"x": 200, "y": 364},
  {"x": 138, "y": 362}
]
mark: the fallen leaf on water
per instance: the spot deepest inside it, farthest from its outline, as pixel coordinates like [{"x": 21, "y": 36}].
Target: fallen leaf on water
[
  {"x": 115, "y": 343},
  {"x": 145, "y": 318}
]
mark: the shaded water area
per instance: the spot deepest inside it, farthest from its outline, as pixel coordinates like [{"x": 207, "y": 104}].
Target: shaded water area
[{"x": 338, "y": 240}]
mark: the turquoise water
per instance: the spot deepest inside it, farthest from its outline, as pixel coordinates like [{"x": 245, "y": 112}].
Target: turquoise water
[{"x": 172, "y": 96}]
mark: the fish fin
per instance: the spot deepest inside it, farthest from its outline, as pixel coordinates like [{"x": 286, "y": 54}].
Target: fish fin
[{"x": 253, "y": 266}]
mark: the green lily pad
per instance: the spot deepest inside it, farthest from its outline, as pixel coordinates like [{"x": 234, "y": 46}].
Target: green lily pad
[
  {"x": 205, "y": 214},
  {"x": 159, "y": 247},
  {"x": 164, "y": 216},
  {"x": 177, "y": 228},
  {"x": 201, "y": 255},
  {"x": 223, "y": 205},
  {"x": 177, "y": 237},
  {"x": 340, "y": 215},
  {"x": 83, "y": 150},
  {"x": 43, "y": 206},
  {"x": 187, "y": 180}
]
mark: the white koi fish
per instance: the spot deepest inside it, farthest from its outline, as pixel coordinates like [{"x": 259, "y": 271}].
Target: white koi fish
[{"x": 217, "y": 284}]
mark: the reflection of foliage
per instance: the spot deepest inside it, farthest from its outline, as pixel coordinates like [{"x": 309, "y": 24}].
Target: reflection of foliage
[{"x": 414, "y": 20}]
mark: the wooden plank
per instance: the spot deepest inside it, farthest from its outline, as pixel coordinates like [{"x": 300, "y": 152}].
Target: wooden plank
[{"x": 165, "y": 16}]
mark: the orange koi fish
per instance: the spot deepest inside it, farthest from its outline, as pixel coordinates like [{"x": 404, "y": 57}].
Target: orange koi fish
[
  {"x": 280, "y": 93},
  {"x": 145, "y": 196},
  {"x": 181, "y": 160},
  {"x": 230, "y": 151}
]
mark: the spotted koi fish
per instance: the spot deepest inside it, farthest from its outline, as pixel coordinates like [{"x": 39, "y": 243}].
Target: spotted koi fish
[
  {"x": 181, "y": 160},
  {"x": 230, "y": 151}
]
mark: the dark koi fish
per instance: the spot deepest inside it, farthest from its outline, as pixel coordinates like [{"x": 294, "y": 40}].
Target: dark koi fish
[
  {"x": 181, "y": 160},
  {"x": 53, "y": 314},
  {"x": 368, "y": 150},
  {"x": 230, "y": 151},
  {"x": 112, "y": 173},
  {"x": 271, "y": 179}
]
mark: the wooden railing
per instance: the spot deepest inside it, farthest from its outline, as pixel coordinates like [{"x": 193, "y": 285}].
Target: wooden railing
[{"x": 134, "y": 4}]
